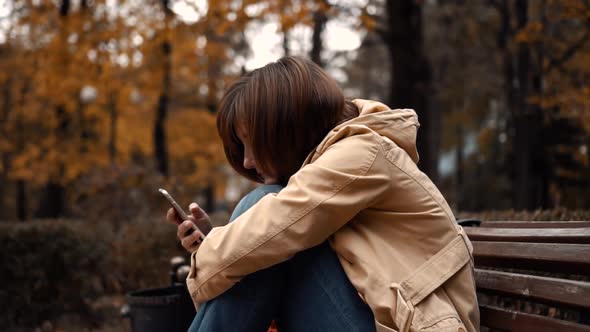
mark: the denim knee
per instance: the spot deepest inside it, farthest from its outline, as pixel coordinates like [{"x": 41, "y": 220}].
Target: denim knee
[{"x": 253, "y": 197}]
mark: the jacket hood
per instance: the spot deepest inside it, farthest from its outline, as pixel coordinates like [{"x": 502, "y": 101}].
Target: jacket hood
[{"x": 399, "y": 125}]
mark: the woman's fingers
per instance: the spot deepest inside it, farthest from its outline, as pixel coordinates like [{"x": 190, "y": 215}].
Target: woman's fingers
[
  {"x": 196, "y": 211},
  {"x": 192, "y": 241},
  {"x": 173, "y": 217},
  {"x": 184, "y": 229},
  {"x": 201, "y": 218},
  {"x": 189, "y": 237}
]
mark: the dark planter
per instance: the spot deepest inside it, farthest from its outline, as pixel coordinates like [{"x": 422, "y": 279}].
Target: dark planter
[{"x": 167, "y": 309}]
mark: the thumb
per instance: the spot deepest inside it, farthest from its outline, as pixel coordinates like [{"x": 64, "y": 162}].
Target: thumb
[
  {"x": 196, "y": 211},
  {"x": 201, "y": 218}
]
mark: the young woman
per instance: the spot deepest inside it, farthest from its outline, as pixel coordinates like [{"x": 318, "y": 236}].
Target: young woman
[{"x": 346, "y": 234}]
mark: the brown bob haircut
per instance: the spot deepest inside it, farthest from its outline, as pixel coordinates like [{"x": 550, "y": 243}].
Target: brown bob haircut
[{"x": 287, "y": 107}]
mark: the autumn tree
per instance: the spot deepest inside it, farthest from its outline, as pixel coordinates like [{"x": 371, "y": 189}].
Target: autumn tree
[
  {"x": 467, "y": 95},
  {"x": 15, "y": 81},
  {"x": 536, "y": 39},
  {"x": 320, "y": 18},
  {"x": 82, "y": 95},
  {"x": 401, "y": 30}
]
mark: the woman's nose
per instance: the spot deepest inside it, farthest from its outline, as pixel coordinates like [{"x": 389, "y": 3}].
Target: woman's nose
[{"x": 249, "y": 162}]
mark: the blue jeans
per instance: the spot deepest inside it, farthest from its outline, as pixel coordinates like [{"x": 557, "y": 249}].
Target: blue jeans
[{"x": 309, "y": 292}]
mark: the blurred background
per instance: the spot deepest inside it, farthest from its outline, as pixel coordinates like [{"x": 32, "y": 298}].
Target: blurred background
[{"x": 104, "y": 101}]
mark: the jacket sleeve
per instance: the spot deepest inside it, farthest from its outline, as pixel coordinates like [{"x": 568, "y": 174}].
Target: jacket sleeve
[{"x": 319, "y": 199}]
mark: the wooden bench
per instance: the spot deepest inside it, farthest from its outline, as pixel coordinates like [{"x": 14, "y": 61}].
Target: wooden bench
[{"x": 533, "y": 276}]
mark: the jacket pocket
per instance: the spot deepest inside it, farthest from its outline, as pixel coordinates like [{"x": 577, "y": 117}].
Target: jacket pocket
[
  {"x": 448, "y": 324},
  {"x": 437, "y": 313},
  {"x": 382, "y": 328}
]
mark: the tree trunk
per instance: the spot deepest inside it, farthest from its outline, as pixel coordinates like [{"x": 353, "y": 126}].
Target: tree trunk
[
  {"x": 113, "y": 129},
  {"x": 540, "y": 155},
  {"x": 52, "y": 201},
  {"x": 527, "y": 124},
  {"x": 516, "y": 84},
  {"x": 51, "y": 204},
  {"x": 460, "y": 175},
  {"x": 4, "y": 157},
  {"x": 3, "y": 184},
  {"x": 286, "y": 50},
  {"x": 160, "y": 142},
  {"x": 521, "y": 125},
  {"x": 209, "y": 195},
  {"x": 319, "y": 24},
  {"x": 64, "y": 8},
  {"x": 213, "y": 76},
  {"x": 285, "y": 29},
  {"x": 411, "y": 72},
  {"x": 21, "y": 200},
  {"x": 540, "y": 164}
]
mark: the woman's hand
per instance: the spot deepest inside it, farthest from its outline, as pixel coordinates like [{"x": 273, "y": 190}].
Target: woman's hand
[{"x": 189, "y": 236}]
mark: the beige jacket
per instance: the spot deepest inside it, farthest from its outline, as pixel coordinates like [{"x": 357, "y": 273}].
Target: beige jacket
[{"x": 393, "y": 231}]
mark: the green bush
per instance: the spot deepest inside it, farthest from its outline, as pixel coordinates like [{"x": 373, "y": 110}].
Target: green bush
[
  {"x": 140, "y": 254},
  {"x": 47, "y": 268}
]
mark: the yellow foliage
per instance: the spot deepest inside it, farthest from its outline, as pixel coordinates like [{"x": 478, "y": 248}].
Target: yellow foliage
[
  {"x": 368, "y": 22},
  {"x": 195, "y": 149},
  {"x": 531, "y": 33},
  {"x": 6, "y": 145},
  {"x": 134, "y": 132},
  {"x": 53, "y": 58}
]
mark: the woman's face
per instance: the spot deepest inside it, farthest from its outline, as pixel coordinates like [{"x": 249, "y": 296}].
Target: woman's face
[{"x": 249, "y": 161}]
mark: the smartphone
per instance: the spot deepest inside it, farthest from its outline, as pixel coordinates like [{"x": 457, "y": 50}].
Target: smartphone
[{"x": 179, "y": 210}]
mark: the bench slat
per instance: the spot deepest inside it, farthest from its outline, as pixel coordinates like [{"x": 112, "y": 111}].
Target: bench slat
[
  {"x": 535, "y": 224},
  {"x": 510, "y": 320},
  {"x": 561, "y": 257},
  {"x": 541, "y": 235},
  {"x": 552, "y": 290}
]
